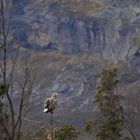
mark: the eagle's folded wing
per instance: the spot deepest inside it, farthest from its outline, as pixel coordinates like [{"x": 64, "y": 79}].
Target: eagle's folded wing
[{"x": 47, "y": 105}]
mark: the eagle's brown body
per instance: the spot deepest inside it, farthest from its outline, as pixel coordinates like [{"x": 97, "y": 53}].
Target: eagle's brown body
[{"x": 50, "y": 103}]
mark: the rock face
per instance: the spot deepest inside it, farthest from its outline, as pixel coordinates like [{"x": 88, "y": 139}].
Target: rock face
[
  {"x": 76, "y": 38},
  {"x": 74, "y": 26}
]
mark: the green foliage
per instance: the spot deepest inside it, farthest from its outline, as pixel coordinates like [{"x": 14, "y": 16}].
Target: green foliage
[
  {"x": 136, "y": 40},
  {"x": 126, "y": 138},
  {"x": 2, "y": 89},
  {"x": 3, "y": 115},
  {"x": 39, "y": 134},
  {"x": 28, "y": 136},
  {"x": 66, "y": 132},
  {"x": 2, "y": 92},
  {"x": 88, "y": 127},
  {"x": 1, "y": 46},
  {"x": 109, "y": 103}
]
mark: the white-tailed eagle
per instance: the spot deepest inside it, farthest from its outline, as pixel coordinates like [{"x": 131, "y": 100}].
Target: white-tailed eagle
[{"x": 50, "y": 103}]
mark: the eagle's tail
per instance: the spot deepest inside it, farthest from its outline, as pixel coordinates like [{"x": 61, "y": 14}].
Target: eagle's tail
[{"x": 46, "y": 110}]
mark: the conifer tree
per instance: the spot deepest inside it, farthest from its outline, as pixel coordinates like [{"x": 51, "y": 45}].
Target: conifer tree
[
  {"x": 66, "y": 132},
  {"x": 109, "y": 104}
]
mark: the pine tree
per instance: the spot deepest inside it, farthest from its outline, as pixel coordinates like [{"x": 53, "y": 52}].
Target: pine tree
[
  {"x": 109, "y": 104},
  {"x": 66, "y": 132}
]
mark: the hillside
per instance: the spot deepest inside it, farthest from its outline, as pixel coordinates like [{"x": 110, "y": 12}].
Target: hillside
[{"x": 70, "y": 41}]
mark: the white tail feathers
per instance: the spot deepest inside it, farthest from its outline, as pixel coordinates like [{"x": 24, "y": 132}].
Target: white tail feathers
[{"x": 45, "y": 110}]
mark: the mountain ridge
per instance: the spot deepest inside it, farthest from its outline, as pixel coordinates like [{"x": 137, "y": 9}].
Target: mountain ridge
[
  {"x": 70, "y": 45},
  {"x": 54, "y": 25}
]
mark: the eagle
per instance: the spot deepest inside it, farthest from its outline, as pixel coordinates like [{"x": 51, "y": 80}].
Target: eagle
[{"x": 50, "y": 103}]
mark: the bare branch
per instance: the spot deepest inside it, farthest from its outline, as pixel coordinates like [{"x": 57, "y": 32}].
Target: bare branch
[
  {"x": 5, "y": 64},
  {"x": 33, "y": 121},
  {"x": 14, "y": 64},
  {"x": 22, "y": 98}
]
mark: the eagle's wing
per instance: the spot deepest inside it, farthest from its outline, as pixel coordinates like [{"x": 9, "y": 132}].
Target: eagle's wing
[
  {"x": 47, "y": 104},
  {"x": 53, "y": 104}
]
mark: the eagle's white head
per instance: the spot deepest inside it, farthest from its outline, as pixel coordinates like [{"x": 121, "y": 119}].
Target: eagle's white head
[{"x": 54, "y": 95}]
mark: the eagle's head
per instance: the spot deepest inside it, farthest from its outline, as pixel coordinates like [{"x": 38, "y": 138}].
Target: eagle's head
[{"x": 54, "y": 95}]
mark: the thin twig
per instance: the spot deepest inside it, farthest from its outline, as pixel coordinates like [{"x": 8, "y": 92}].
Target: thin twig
[{"x": 32, "y": 121}]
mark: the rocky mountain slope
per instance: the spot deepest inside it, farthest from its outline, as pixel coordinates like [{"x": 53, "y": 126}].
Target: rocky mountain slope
[
  {"x": 108, "y": 28},
  {"x": 71, "y": 40}
]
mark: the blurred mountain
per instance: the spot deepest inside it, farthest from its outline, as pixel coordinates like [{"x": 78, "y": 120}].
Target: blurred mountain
[
  {"x": 74, "y": 26},
  {"x": 71, "y": 41}
]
